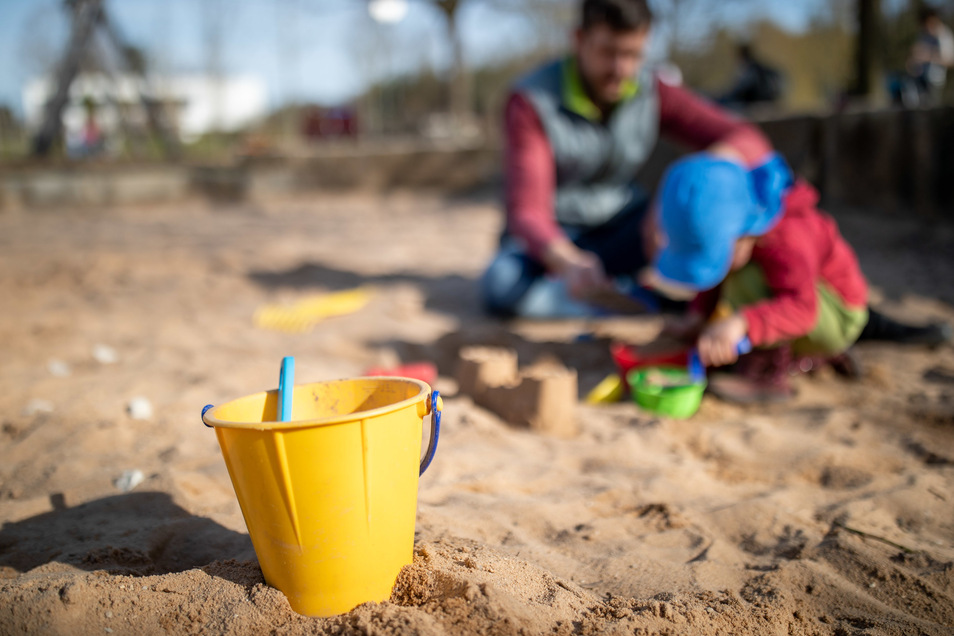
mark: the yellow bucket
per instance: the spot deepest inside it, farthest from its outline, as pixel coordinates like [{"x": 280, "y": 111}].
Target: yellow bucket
[{"x": 330, "y": 498}]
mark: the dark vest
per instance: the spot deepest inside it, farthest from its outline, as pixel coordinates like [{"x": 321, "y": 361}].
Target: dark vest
[{"x": 596, "y": 163}]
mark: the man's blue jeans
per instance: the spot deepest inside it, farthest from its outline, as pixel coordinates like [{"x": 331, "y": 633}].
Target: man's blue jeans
[{"x": 516, "y": 285}]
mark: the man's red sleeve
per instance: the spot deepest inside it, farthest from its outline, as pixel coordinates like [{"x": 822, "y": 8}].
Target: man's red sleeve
[
  {"x": 791, "y": 270},
  {"x": 696, "y": 123},
  {"x": 530, "y": 178}
]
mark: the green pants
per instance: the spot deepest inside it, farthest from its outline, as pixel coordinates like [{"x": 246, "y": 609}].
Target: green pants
[{"x": 836, "y": 327}]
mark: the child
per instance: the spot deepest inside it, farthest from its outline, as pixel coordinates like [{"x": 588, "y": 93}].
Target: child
[{"x": 765, "y": 264}]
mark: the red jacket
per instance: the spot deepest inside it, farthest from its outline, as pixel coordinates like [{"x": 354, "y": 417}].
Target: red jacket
[
  {"x": 531, "y": 173},
  {"x": 804, "y": 248}
]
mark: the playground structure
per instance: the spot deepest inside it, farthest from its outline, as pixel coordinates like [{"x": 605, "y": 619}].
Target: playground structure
[{"x": 86, "y": 17}]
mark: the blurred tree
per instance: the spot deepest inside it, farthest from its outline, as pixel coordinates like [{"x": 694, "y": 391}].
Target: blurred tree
[
  {"x": 287, "y": 16},
  {"x": 11, "y": 133},
  {"x": 546, "y": 13},
  {"x": 7, "y": 119},
  {"x": 214, "y": 30},
  {"x": 688, "y": 24},
  {"x": 868, "y": 55},
  {"x": 459, "y": 85},
  {"x": 457, "y": 94}
]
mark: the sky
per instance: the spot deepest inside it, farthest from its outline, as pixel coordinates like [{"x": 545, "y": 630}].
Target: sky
[{"x": 324, "y": 51}]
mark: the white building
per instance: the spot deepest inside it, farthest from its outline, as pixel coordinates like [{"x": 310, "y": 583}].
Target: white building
[{"x": 194, "y": 104}]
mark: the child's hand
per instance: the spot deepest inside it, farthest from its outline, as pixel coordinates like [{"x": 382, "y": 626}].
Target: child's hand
[
  {"x": 719, "y": 341},
  {"x": 684, "y": 327}
]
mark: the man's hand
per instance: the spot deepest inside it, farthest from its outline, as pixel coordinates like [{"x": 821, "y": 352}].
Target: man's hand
[
  {"x": 719, "y": 341},
  {"x": 685, "y": 327},
  {"x": 582, "y": 270}
]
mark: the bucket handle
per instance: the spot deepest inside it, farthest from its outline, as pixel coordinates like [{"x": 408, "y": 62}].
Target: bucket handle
[{"x": 435, "y": 405}]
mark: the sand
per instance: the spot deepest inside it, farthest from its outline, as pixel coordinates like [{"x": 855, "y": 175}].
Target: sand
[{"x": 833, "y": 514}]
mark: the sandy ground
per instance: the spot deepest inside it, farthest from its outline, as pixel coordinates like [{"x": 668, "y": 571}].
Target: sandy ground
[{"x": 830, "y": 515}]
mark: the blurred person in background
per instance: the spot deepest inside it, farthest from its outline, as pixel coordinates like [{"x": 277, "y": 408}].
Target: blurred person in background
[
  {"x": 88, "y": 140},
  {"x": 922, "y": 81},
  {"x": 931, "y": 56},
  {"x": 577, "y": 130},
  {"x": 755, "y": 82}
]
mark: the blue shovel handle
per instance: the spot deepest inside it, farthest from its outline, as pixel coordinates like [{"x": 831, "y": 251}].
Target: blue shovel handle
[
  {"x": 435, "y": 408},
  {"x": 697, "y": 372},
  {"x": 744, "y": 346},
  {"x": 286, "y": 389}
]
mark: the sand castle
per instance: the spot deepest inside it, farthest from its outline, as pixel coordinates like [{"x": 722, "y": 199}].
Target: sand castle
[{"x": 541, "y": 397}]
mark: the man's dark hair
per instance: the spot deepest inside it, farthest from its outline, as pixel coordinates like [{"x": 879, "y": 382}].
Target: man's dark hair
[
  {"x": 927, "y": 13},
  {"x": 618, "y": 15}
]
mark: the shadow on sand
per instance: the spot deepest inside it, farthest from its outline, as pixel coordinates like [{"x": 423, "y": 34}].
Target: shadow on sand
[{"x": 138, "y": 534}]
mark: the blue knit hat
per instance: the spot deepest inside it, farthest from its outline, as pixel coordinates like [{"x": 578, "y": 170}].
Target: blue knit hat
[{"x": 708, "y": 203}]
